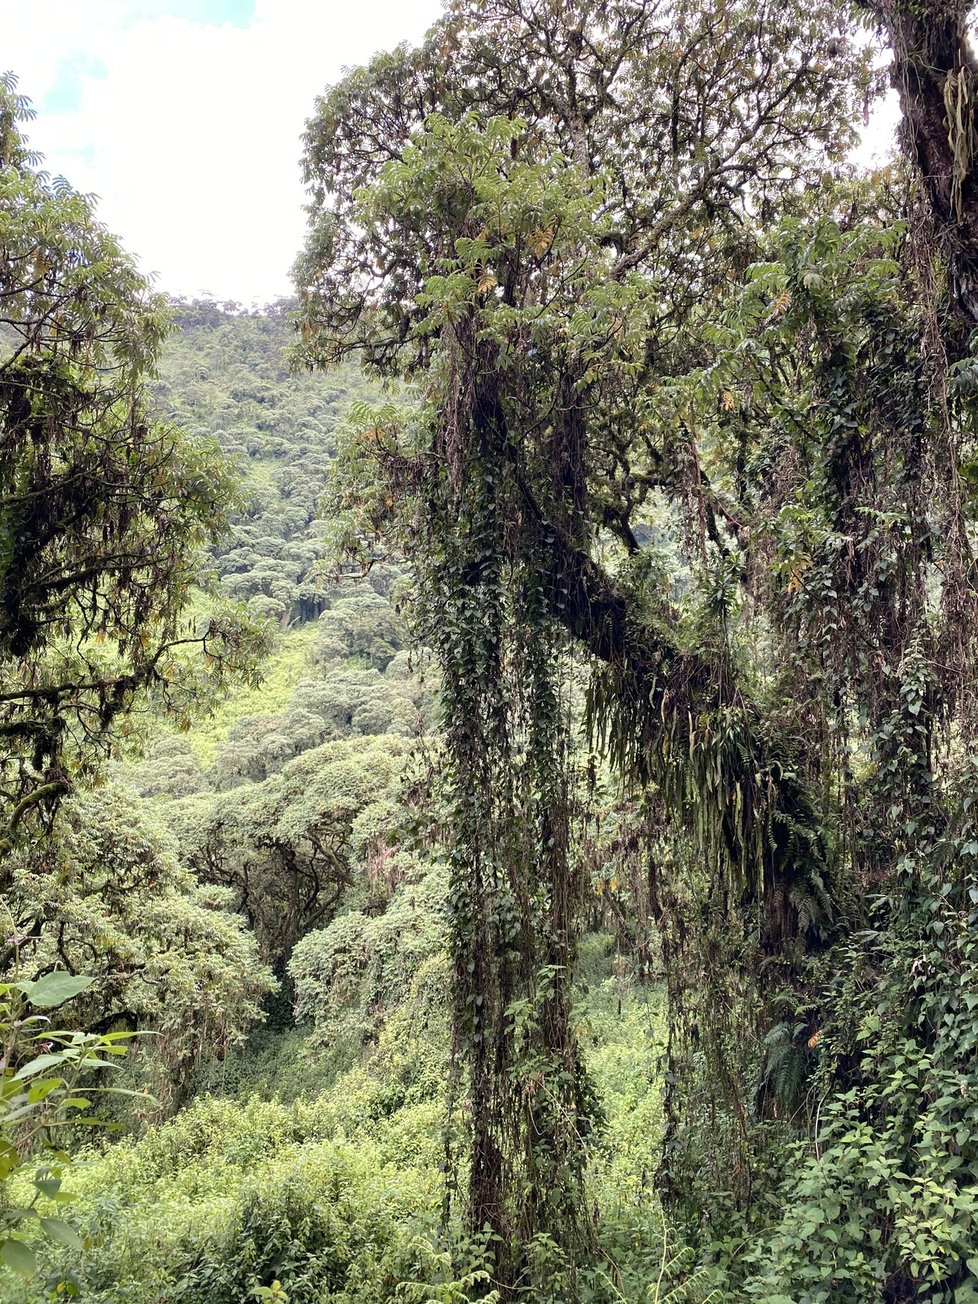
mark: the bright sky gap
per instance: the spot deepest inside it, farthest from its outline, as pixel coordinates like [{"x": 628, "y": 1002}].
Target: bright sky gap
[{"x": 184, "y": 117}]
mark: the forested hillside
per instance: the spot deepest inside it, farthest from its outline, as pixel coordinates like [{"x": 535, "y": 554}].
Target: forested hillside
[{"x": 488, "y": 746}]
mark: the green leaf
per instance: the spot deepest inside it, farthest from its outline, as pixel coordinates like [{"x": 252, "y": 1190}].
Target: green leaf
[
  {"x": 54, "y": 988},
  {"x": 18, "y": 1257},
  {"x": 62, "y": 1232},
  {"x": 38, "y": 1064},
  {"x": 47, "y": 1185},
  {"x": 9, "y": 1158}
]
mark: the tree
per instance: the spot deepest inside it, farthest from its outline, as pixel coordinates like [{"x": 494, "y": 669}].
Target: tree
[
  {"x": 649, "y": 302},
  {"x": 290, "y": 847},
  {"x": 351, "y": 975},
  {"x": 224, "y": 375},
  {"x": 363, "y": 626},
  {"x": 104, "y": 894},
  {"x": 103, "y": 514}
]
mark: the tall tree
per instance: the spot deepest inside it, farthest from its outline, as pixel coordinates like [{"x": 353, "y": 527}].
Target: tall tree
[{"x": 651, "y": 307}]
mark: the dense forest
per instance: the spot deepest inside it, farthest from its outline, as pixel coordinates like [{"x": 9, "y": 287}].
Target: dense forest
[{"x": 487, "y": 746}]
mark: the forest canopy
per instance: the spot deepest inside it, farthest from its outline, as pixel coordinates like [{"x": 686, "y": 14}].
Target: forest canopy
[{"x": 104, "y": 510}]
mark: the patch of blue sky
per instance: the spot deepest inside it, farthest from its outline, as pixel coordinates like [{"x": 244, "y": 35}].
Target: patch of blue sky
[
  {"x": 206, "y": 13},
  {"x": 83, "y": 153},
  {"x": 65, "y": 95}
]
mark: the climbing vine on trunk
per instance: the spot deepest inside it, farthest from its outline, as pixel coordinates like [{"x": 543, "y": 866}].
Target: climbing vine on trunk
[{"x": 513, "y": 888}]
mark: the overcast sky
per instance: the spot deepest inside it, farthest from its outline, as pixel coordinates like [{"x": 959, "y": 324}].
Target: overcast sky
[{"x": 184, "y": 117}]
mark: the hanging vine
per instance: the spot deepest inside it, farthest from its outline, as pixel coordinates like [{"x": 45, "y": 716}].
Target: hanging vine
[
  {"x": 513, "y": 893},
  {"x": 622, "y": 349}
]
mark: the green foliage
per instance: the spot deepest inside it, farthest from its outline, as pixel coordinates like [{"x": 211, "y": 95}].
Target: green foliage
[
  {"x": 289, "y": 847},
  {"x": 349, "y": 977},
  {"x": 170, "y": 768},
  {"x": 362, "y": 626},
  {"x": 340, "y": 1190},
  {"x": 651, "y": 309},
  {"x": 228, "y": 1198},
  {"x": 885, "y": 1207},
  {"x": 40, "y": 1097},
  {"x": 106, "y": 895},
  {"x": 224, "y": 374},
  {"x": 686, "y": 431},
  {"x": 281, "y": 672},
  {"x": 340, "y": 703}
]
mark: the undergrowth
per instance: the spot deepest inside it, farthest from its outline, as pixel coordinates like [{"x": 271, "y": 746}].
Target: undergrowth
[{"x": 328, "y": 1180}]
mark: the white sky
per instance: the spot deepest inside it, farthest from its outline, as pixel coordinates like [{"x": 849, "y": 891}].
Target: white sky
[{"x": 184, "y": 117}]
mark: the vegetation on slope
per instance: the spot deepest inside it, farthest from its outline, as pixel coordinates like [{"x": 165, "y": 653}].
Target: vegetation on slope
[{"x": 620, "y": 945}]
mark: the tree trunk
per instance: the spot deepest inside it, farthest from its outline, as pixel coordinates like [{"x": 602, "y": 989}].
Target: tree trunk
[{"x": 936, "y": 75}]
